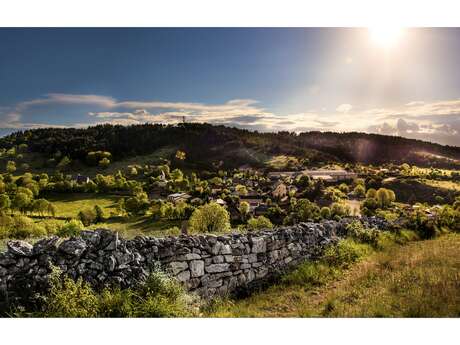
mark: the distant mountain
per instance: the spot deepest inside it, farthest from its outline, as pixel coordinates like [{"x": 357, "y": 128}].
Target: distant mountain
[{"x": 206, "y": 144}]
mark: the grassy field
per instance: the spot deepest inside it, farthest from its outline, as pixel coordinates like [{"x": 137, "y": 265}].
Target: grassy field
[
  {"x": 68, "y": 205},
  {"x": 421, "y": 279},
  {"x": 451, "y": 185},
  {"x": 140, "y": 226},
  {"x": 281, "y": 162}
]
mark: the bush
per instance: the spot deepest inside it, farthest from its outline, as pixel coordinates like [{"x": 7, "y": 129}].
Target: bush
[
  {"x": 87, "y": 217},
  {"x": 359, "y": 233},
  {"x": 71, "y": 228},
  {"x": 159, "y": 296},
  {"x": 259, "y": 223},
  {"x": 68, "y": 298},
  {"x": 24, "y": 227},
  {"x": 325, "y": 212},
  {"x": 345, "y": 253}
]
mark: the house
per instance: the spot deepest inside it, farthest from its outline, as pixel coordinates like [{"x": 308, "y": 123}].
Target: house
[
  {"x": 178, "y": 197},
  {"x": 279, "y": 190},
  {"x": 282, "y": 174},
  {"x": 220, "y": 202},
  {"x": 81, "y": 179},
  {"x": 330, "y": 175}
]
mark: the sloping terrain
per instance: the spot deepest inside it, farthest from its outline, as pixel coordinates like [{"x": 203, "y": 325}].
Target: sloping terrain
[
  {"x": 420, "y": 279},
  {"x": 207, "y": 145}
]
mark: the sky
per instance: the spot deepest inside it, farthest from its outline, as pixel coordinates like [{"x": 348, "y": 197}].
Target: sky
[{"x": 386, "y": 80}]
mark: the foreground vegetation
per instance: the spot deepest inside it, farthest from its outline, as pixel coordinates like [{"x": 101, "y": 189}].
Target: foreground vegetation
[{"x": 420, "y": 279}]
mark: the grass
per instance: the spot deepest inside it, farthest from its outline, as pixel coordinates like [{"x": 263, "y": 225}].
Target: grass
[
  {"x": 450, "y": 185},
  {"x": 140, "y": 226},
  {"x": 281, "y": 162},
  {"x": 420, "y": 279},
  {"x": 68, "y": 205}
]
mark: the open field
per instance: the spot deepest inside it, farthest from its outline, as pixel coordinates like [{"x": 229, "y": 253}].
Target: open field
[
  {"x": 421, "y": 279},
  {"x": 68, "y": 205},
  {"x": 450, "y": 185},
  {"x": 140, "y": 226}
]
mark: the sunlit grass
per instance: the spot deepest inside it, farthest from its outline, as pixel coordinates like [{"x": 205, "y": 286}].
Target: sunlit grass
[{"x": 421, "y": 279}]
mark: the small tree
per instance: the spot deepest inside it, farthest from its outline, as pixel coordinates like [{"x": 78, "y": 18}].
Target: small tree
[
  {"x": 325, "y": 212},
  {"x": 210, "y": 218},
  {"x": 359, "y": 191},
  {"x": 244, "y": 209},
  {"x": 104, "y": 162},
  {"x": 64, "y": 163},
  {"x": 5, "y": 202},
  {"x": 99, "y": 213},
  {"x": 10, "y": 167},
  {"x": 241, "y": 190}
]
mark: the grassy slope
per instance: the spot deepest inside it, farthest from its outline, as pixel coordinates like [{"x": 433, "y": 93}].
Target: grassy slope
[{"x": 416, "y": 280}]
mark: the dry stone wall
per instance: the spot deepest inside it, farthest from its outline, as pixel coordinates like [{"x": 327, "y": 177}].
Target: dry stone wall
[{"x": 206, "y": 264}]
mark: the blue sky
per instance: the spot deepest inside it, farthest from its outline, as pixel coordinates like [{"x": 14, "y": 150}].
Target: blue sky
[{"x": 338, "y": 79}]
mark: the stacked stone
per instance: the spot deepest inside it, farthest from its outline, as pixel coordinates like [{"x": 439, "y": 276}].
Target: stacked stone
[{"x": 206, "y": 264}]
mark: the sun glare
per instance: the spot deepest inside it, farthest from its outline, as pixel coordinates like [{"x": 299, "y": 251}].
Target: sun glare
[{"x": 385, "y": 36}]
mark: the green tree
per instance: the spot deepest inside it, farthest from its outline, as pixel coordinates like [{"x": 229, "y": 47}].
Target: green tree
[
  {"x": 5, "y": 202},
  {"x": 64, "y": 163},
  {"x": 359, "y": 191},
  {"x": 209, "y": 218},
  {"x": 325, "y": 212},
  {"x": 241, "y": 190},
  {"x": 244, "y": 209},
  {"x": 99, "y": 213},
  {"x": 104, "y": 162},
  {"x": 21, "y": 201},
  {"x": 371, "y": 193},
  {"x": 10, "y": 167}
]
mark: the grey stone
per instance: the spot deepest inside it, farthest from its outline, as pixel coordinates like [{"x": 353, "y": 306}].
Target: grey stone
[
  {"x": 20, "y": 248},
  {"x": 218, "y": 259},
  {"x": 177, "y": 266},
  {"x": 196, "y": 268},
  {"x": 73, "y": 247},
  {"x": 183, "y": 276},
  {"x": 258, "y": 245},
  {"x": 217, "y": 268}
]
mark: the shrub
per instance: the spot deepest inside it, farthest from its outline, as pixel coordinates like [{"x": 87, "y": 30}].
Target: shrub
[
  {"x": 71, "y": 228},
  {"x": 159, "y": 296},
  {"x": 345, "y": 253},
  {"x": 24, "y": 227},
  {"x": 325, "y": 212},
  {"x": 87, "y": 217},
  {"x": 258, "y": 223},
  {"x": 68, "y": 298},
  {"x": 358, "y": 232}
]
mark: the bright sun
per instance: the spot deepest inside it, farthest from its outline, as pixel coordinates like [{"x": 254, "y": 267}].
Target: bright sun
[{"x": 385, "y": 36}]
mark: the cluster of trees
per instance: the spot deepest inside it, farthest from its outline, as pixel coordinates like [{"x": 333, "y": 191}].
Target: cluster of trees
[
  {"x": 100, "y": 158},
  {"x": 204, "y": 144},
  {"x": 22, "y": 194},
  {"x": 377, "y": 199}
]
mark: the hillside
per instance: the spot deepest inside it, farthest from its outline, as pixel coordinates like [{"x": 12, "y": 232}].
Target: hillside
[{"x": 206, "y": 145}]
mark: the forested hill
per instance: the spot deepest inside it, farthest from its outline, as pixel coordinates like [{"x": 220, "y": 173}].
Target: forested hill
[{"x": 205, "y": 144}]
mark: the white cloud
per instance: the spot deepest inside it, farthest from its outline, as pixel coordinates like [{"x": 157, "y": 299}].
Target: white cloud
[
  {"x": 344, "y": 108},
  {"x": 435, "y": 121}
]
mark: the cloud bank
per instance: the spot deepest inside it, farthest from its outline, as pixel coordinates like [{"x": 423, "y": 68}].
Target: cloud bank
[{"x": 437, "y": 121}]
